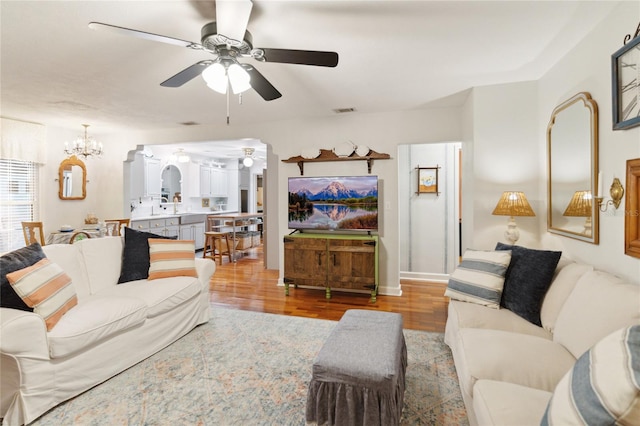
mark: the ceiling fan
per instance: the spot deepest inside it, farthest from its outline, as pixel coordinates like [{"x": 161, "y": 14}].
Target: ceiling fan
[{"x": 228, "y": 40}]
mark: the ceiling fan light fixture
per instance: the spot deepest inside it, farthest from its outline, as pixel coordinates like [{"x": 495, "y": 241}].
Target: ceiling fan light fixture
[
  {"x": 216, "y": 78},
  {"x": 238, "y": 78}
]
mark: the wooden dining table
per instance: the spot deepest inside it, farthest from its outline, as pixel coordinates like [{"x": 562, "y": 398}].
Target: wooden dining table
[{"x": 63, "y": 237}]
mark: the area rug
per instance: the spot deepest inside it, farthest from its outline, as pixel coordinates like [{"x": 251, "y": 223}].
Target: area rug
[{"x": 249, "y": 368}]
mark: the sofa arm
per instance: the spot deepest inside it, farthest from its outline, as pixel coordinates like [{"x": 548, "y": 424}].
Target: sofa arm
[
  {"x": 23, "y": 334},
  {"x": 205, "y": 269}
]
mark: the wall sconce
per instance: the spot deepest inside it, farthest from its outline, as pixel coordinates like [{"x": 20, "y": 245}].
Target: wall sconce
[
  {"x": 513, "y": 203},
  {"x": 616, "y": 192}
]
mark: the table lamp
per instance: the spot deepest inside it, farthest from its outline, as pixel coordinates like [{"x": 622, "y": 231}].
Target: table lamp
[
  {"x": 581, "y": 206},
  {"x": 513, "y": 203}
]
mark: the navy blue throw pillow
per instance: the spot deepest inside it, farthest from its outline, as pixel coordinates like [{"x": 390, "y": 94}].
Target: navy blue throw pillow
[
  {"x": 528, "y": 278},
  {"x": 14, "y": 261},
  {"x": 135, "y": 255}
]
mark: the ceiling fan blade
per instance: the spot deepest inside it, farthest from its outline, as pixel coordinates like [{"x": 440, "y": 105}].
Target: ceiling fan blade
[
  {"x": 232, "y": 17},
  {"x": 186, "y": 74},
  {"x": 302, "y": 57},
  {"x": 144, "y": 35},
  {"x": 261, "y": 85}
]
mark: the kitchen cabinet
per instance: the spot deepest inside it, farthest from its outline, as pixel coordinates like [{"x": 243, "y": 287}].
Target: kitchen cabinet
[
  {"x": 144, "y": 177},
  {"x": 347, "y": 262},
  {"x": 195, "y": 232},
  {"x": 167, "y": 227},
  {"x": 214, "y": 182}
]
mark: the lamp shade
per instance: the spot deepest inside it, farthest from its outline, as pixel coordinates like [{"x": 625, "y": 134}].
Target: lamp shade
[
  {"x": 513, "y": 203},
  {"x": 580, "y": 205},
  {"x": 216, "y": 77}
]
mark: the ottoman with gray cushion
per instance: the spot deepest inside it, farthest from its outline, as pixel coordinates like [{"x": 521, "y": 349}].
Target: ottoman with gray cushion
[{"x": 358, "y": 377}]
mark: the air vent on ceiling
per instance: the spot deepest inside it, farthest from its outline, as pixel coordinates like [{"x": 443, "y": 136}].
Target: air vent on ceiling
[{"x": 343, "y": 110}]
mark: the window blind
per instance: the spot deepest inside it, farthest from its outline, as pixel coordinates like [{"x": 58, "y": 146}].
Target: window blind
[{"x": 18, "y": 200}]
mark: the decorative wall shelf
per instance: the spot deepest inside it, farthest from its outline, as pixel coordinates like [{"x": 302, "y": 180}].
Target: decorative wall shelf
[{"x": 329, "y": 155}]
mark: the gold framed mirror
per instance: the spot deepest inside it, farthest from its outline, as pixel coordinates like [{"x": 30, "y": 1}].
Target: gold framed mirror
[
  {"x": 572, "y": 168},
  {"x": 72, "y": 179}
]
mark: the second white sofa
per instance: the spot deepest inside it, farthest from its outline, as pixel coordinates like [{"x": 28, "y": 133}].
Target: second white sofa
[{"x": 509, "y": 368}]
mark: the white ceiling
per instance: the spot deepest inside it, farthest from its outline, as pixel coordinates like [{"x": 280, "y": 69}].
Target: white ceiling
[{"x": 394, "y": 55}]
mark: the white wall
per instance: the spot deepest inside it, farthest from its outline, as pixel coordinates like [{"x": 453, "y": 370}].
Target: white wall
[{"x": 588, "y": 68}]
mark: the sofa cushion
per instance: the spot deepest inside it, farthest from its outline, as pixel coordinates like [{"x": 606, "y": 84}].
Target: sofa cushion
[
  {"x": 603, "y": 388},
  {"x": 599, "y": 304},
  {"x": 14, "y": 261},
  {"x": 503, "y": 403},
  {"x": 527, "y": 280},
  {"x": 102, "y": 258},
  {"x": 561, "y": 286},
  {"x": 510, "y": 357},
  {"x": 162, "y": 295},
  {"x": 135, "y": 255},
  {"x": 470, "y": 315},
  {"x": 95, "y": 319},
  {"x": 171, "y": 258},
  {"x": 46, "y": 288},
  {"x": 479, "y": 278}
]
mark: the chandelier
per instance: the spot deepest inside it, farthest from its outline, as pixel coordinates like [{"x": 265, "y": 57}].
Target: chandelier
[{"x": 84, "y": 146}]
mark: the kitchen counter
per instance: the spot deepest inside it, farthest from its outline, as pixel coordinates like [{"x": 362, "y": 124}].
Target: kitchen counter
[{"x": 181, "y": 214}]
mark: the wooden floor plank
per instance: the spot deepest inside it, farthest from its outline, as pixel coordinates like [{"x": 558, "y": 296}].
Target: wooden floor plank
[{"x": 247, "y": 285}]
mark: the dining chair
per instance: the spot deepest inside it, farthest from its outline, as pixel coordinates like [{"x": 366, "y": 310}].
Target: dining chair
[
  {"x": 33, "y": 233},
  {"x": 77, "y": 236},
  {"x": 115, "y": 226}
]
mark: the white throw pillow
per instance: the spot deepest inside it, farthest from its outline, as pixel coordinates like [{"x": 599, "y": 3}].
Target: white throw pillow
[
  {"x": 603, "y": 388},
  {"x": 479, "y": 278}
]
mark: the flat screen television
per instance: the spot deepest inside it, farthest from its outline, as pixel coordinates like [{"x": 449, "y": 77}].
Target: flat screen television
[{"x": 333, "y": 203}]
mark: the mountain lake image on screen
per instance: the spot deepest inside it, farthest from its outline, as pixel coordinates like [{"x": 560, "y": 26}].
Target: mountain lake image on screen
[{"x": 333, "y": 203}]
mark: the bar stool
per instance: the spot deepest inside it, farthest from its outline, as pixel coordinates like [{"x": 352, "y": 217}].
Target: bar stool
[{"x": 213, "y": 241}]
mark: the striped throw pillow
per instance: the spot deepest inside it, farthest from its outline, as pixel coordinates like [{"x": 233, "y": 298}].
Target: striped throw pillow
[
  {"x": 479, "y": 278},
  {"x": 603, "y": 388},
  {"x": 46, "y": 288},
  {"x": 171, "y": 258}
]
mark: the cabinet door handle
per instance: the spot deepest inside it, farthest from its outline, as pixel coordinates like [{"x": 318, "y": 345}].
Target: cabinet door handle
[
  {"x": 334, "y": 259},
  {"x": 319, "y": 259}
]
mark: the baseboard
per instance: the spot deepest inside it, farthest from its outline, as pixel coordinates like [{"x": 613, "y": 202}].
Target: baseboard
[{"x": 423, "y": 276}]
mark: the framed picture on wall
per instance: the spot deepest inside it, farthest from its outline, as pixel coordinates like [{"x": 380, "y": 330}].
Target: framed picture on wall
[
  {"x": 624, "y": 80},
  {"x": 632, "y": 210},
  {"x": 428, "y": 180}
]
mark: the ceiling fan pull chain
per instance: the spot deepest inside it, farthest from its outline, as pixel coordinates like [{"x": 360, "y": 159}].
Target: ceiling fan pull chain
[
  {"x": 227, "y": 107},
  {"x": 240, "y": 98}
]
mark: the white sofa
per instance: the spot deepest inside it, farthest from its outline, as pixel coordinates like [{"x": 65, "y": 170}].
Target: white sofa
[
  {"x": 113, "y": 327},
  {"x": 508, "y": 368}
]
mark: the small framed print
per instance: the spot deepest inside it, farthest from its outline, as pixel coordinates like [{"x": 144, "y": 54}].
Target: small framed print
[
  {"x": 428, "y": 180},
  {"x": 625, "y": 89},
  {"x": 205, "y": 202}
]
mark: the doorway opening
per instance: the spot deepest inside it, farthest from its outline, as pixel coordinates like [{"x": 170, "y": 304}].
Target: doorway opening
[{"x": 429, "y": 220}]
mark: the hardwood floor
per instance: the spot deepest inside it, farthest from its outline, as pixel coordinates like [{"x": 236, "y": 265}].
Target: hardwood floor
[{"x": 248, "y": 286}]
